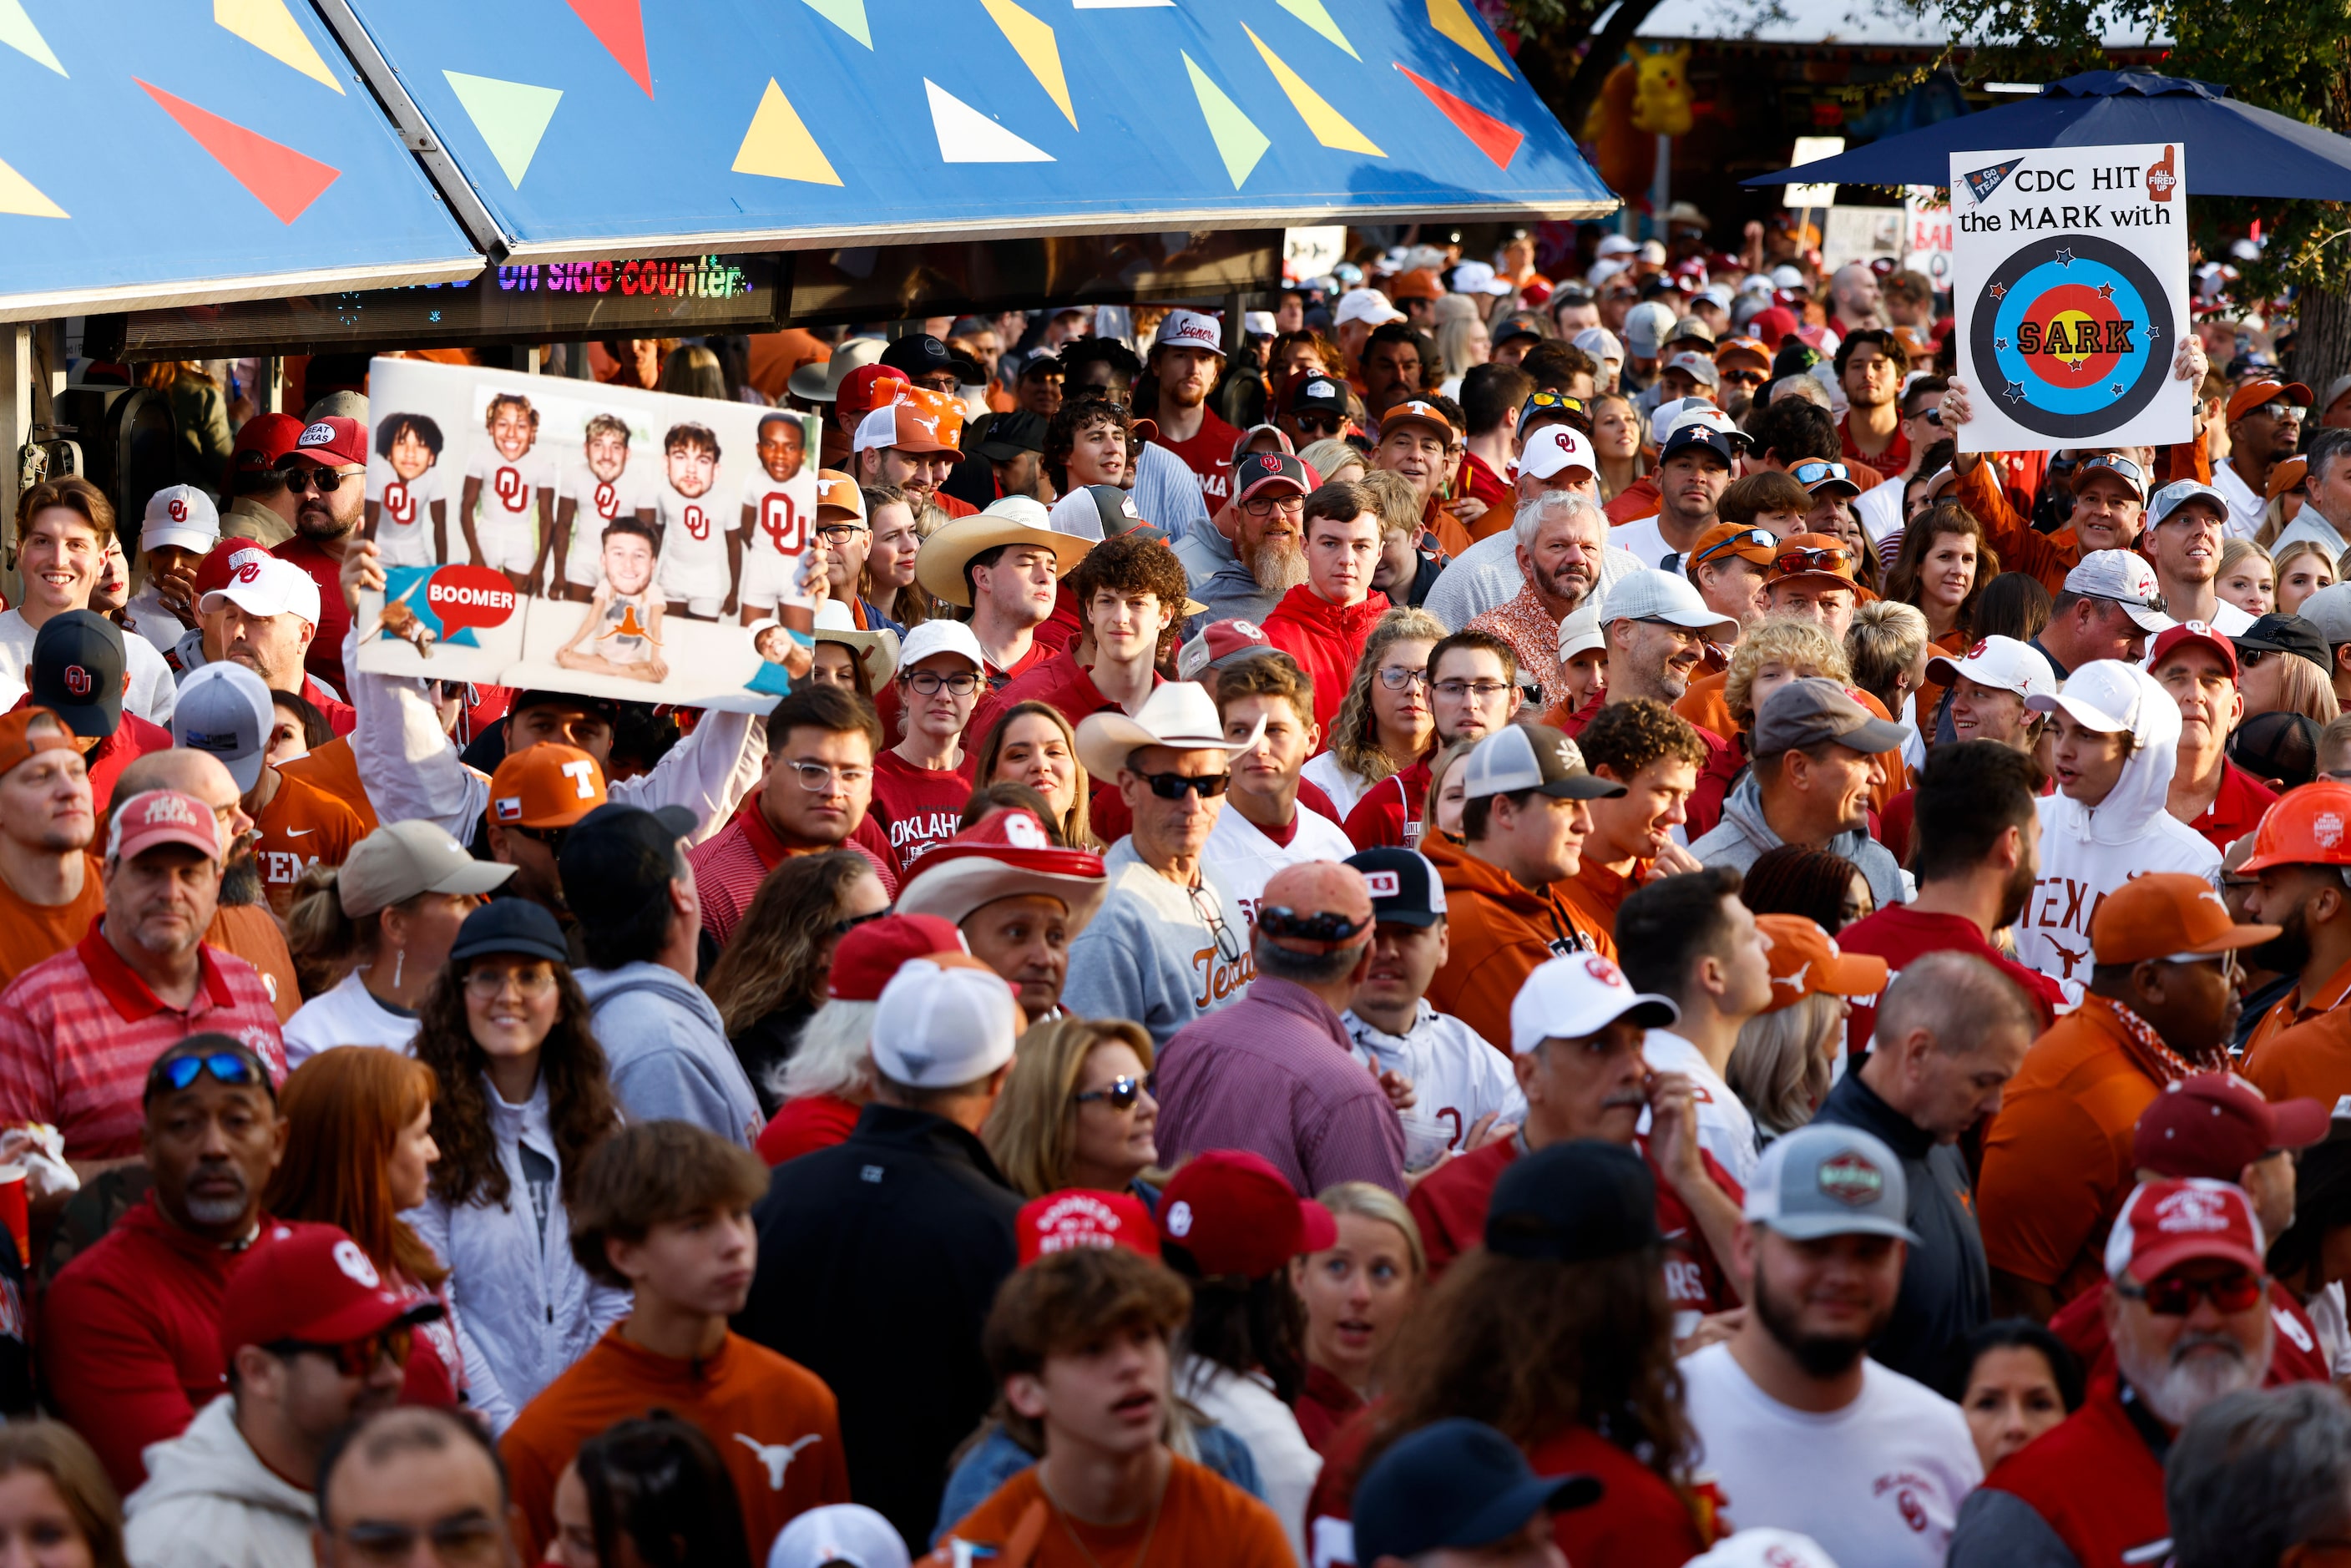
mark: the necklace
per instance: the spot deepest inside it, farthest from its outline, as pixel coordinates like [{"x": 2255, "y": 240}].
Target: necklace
[{"x": 1142, "y": 1551}]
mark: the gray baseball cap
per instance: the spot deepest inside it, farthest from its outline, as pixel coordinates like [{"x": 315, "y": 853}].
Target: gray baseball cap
[
  {"x": 1824, "y": 1180},
  {"x": 2329, "y": 610},
  {"x": 225, "y": 710},
  {"x": 1816, "y": 709}
]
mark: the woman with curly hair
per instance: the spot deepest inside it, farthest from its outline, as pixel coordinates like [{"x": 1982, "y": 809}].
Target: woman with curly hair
[
  {"x": 521, "y": 1099},
  {"x": 1778, "y": 650},
  {"x": 1033, "y": 743},
  {"x": 1385, "y": 724},
  {"x": 769, "y": 978},
  {"x": 1078, "y": 1110},
  {"x": 1574, "y": 1362}
]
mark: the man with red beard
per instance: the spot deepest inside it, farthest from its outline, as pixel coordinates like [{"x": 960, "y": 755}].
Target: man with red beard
[
  {"x": 1258, "y": 550},
  {"x": 1187, "y": 358}
]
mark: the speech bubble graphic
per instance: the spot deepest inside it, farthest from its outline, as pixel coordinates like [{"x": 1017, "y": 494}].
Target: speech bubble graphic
[{"x": 451, "y": 601}]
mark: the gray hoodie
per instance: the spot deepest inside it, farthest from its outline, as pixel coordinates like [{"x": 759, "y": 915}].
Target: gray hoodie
[
  {"x": 210, "y": 1502},
  {"x": 668, "y": 1051},
  {"x": 1742, "y": 835}
]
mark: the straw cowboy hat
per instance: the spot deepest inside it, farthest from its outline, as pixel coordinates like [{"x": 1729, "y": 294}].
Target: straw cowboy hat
[{"x": 1014, "y": 521}]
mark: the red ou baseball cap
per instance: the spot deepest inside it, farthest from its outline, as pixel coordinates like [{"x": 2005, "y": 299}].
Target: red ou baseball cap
[
  {"x": 2214, "y": 1125},
  {"x": 870, "y": 954},
  {"x": 1237, "y": 1215},
  {"x": 2200, "y": 634},
  {"x": 311, "y": 1284},
  {"x": 1076, "y": 1218},
  {"x": 331, "y": 441},
  {"x": 2166, "y": 1223}
]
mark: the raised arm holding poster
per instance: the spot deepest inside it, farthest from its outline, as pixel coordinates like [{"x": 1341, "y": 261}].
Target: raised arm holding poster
[
  {"x": 562, "y": 535},
  {"x": 2070, "y": 269}
]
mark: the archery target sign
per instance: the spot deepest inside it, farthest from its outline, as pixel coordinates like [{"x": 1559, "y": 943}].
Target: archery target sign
[{"x": 2070, "y": 270}]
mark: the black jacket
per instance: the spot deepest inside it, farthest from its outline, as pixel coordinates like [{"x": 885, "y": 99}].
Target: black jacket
[
  {"x": 1946, "y": 1287},
  {"x": 879, "y": 1258}
]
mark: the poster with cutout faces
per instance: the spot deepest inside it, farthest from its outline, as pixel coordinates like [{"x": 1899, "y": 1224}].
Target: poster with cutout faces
[{"x": 563, "y": 534}]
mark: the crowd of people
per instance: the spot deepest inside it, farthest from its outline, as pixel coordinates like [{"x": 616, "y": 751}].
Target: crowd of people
[{"x": 1488, "y": 921}]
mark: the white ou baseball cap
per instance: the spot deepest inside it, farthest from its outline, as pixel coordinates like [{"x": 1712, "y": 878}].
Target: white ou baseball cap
[
  {"x": 940, "y": 636},
  {"x": 1580, "y": 995},
  {"x": 1190, "y": 329},
  {"x": 264, "y": 585},
  {"x": 943, "y": 1021},
  {"x": 180, "y": 516},
  {"x": 1579, "y": 631},
  {"x": 2106, "y": 696},
  {"x": 1553, "y": 450},
  {"x": 1999, "y": 661},
  {"x": 2124, "y": 577},
  {"x": 846, "y": 1533},
  {"x": 1367, "y": 305},
  {"x": 1649, "y": 594}
]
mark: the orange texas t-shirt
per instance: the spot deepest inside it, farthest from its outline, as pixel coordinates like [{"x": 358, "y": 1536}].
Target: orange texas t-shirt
[
  {"x": 302, "y": 826},
  {"x": 1203, "y": 1518}
]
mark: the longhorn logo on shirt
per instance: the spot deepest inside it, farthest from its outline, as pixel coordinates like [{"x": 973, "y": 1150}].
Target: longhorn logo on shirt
[
  {"x": 177, "y": 509},
  {"x": 697, "y": 522},
  {"x": 511, "y": 490},
  {"x": 776, "y": 1456},
  {"x": 1852, "y": 1179},
  {"x": 77, "y": 680},
  {"x": 780, "y": 522}
]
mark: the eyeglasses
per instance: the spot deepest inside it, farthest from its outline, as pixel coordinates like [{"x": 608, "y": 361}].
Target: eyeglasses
[
  {"x": 354, "y": 1357},
  {"x": 1818, "y": 472},
  {"x": 327, "y": 480},
  {"x": 836, "y": 533},
  {"x": 1229, "y": 947},
  {"x": 1832, "y": 561},
  {"x": 848, "y": 924},
  {"x": 1759, "y": 538},
  {"x": 463, "y": 1539},
  {"x": 490, "y": 983},
  {"x": 926, "y": 683},
  {"x": 229, "y": 1067},
  {"x": 1122, "y": 1092},
  {"x": 1289, "y": 506},
  {"x": 816, "y": 777},
  {"x": 2173, "y": 1297},
  {"x": 1454, "y": 691},
  {"x": 1174, "y": 786},
  {"x": 1323, "y": 925},
  {"x": 1396, "y": 678}
]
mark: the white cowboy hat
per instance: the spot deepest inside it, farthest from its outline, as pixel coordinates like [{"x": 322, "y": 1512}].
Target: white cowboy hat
[
  {"x": 1014, "y": 521},
  {"x": 877, "y": 651},
  {"x": 1178, "y": 714}
]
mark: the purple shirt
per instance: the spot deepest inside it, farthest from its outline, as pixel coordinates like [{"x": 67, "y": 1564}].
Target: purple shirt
[{"x": 1273, "y": 1073}]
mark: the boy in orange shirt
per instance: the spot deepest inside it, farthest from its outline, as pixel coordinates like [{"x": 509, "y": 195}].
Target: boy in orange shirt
[
  {"x": 1079, "y": 1341},
  {"x": 665, "y": 1207}
]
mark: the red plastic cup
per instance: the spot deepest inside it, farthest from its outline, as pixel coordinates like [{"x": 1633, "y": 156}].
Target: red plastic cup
[{"x": 15, "y": 1211}]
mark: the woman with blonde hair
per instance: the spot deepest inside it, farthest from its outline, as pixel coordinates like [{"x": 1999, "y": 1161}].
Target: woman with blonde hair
[
  {"x": 1616, "y": 431},
  {"x": 57, "y": 1509},
  {"x": 1033, "y": 743},
  {"x": 1078, "y": 1110},
  {"x": 2301, "y": 569},
  {"x": 2275, "y": 681},
  {"x": 2247, "y": 578},
  {"x": 1333, "y": 460},
  {"x": 1384, "y": 722},
  {"x": 1785, "y": 1057},
  {"x": 1357, "y": 1293},
  {"x": 1886, "y": 646},
  {"x": 769, "y": 978},
  {"x": 1445, "y": 792},
  {"x": 1463, "y": 342},
  {"x": 358, "y": 1154}
]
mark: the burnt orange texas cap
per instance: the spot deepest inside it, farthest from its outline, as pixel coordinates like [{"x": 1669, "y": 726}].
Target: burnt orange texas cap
[
  {"x": 549, "y": 785},
  {"x": 2168, "y": 914},
  {"x": 29, "y": 731}
]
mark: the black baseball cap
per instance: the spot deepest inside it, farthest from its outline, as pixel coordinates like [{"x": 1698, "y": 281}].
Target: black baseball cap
[
  {"x": 1406, "y": 889},
  {"x": 1455, "y": 1485},
  {"x": 2282, "y": 744},
  {"x": 1575, "y": 1202},
  {"x": 919, "y": 354},
  {"x": 77, "y": 672},
  {"x": 2283, "y": 634},
  {"x": 1516, "y": 328},
  {"x": 1011, "y": 434},
  {"x": 617, "y": 859},
  {"x": 1315, "y": 390},
  {"x": 1115, "y": 508},
  {"x": 512, "y": 926}
]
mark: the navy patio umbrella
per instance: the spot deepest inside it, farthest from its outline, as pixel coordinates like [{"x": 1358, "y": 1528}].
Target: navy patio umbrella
[{"x": 2234, "y": 149}]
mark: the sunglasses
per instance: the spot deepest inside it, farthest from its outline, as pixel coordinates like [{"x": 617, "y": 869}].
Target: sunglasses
[
  {"x": 355, "y": 1357},
  {"x": 233, "y": 1067},
  {"x": 1122, "y": 1092},
  {"x": 1832, "y": 561},
  {"x": 1762, "y": 538},
  {"x": 1323, "y": 925},
  {"x": 327, "y": 480},
  {"x": 1545, "y": 399},
  {"x": 2172, "y": 1297},
  {"x": 843, "y": 927},
  {"x": 1810, "y": 473},
  {"x": 1320, "y": 422},
  {"x": 551, "y": 837},
  {"x": 1174, "y": 786}
]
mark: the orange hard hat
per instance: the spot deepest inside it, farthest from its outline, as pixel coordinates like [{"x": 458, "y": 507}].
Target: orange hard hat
[{"x": 2309, "y": 825}]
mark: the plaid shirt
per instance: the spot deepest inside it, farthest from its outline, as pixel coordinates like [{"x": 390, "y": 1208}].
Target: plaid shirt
[
  {"x": 78, "y": 1031},
  {"x": 1533, "y": 633}
]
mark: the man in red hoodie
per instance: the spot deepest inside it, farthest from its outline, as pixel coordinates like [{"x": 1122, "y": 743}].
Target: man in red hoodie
[
  {"x": 1322, "y": 622},
  {"x": 131, "y": 1331}
]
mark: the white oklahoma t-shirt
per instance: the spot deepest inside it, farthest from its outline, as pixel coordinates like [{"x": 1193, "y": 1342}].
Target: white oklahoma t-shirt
[
  {"x": 1726, "y": 1128},
  {"x": 1877, "y": 1483}
]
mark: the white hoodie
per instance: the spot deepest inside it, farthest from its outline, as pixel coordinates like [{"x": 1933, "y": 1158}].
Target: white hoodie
[
  {"x": 210, "y": 1502},
  {"x": 2087, "y": 852}
]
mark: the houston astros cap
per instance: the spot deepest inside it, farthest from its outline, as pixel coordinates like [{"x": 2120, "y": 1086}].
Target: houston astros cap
[
  {"x": 224, "y": 709},
  {"x": 77, "y": 672},
  {"x": 1820, "y": 1181}
]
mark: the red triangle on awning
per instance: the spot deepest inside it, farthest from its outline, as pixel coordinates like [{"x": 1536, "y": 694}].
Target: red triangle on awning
[
  {"x": 284, "y": 180},
  {"x": 620, "y": 27},
  {"x": 1494, "y": 139}
]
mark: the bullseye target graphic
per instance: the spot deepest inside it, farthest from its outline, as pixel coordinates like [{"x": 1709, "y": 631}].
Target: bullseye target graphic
[{"x": 2072, "y": 336}]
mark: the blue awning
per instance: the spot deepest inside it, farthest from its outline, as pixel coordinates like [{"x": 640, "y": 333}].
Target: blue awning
[
  {"x": 587, "y": 127},
  {"x": 195, "y": 153}
]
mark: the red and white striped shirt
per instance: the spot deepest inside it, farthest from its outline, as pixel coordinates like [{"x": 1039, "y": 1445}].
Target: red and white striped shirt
[{"x": 78, "y": 1031}]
